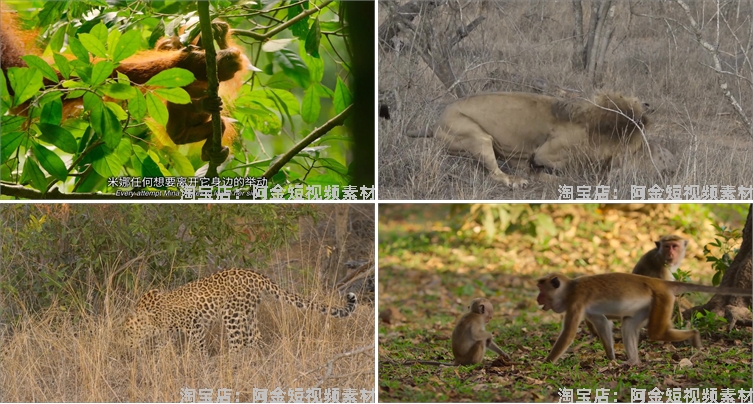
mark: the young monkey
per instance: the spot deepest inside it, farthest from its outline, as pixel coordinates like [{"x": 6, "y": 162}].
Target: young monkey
[
  {"x": 634, "y": 298},
  {"x": 662, "y": 261},
  {"x": 470, "y": 340}
]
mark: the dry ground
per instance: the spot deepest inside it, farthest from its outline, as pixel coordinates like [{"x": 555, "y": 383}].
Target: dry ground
[
  {"x": 522, "y": 42},
  {"x": 56, "y": 356}
]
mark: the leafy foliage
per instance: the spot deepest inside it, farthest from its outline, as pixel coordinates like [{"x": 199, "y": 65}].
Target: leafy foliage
[
  {"x": 57, "y": 254},
  {"x": 724, "y": 245},
  {"x": 304, "y": 65}
]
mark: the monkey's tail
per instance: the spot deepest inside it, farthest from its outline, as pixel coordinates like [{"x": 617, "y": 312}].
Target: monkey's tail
[
  {"x": 433, "y": 363},
  {"x": 302, "y": 303},
  {"x": 681, "y": 287}
]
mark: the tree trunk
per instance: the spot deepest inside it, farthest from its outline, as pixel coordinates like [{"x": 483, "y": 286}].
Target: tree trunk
[
  {"x": 738, "y": 275},
  {"x": 579, "y": 46}
]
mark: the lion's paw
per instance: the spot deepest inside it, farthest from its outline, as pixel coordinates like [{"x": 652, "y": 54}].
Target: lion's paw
[
  {"x": 511, "y": 181},
  {"x": 519, "y": 183}
]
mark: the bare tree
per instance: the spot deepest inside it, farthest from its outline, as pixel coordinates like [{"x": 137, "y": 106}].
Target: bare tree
[
  {"x": 590, "y": 48},
  {"x": 730, "y": 62},
  {"x": 434, "y": 48}
]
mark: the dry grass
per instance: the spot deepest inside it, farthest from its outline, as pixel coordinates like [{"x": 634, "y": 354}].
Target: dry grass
[
  {"x": 54, "y": 359},
  {"x": 524, "y": 41}
]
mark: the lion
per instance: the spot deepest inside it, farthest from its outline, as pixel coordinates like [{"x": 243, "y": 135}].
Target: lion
[{"x": 544, "y": 131}]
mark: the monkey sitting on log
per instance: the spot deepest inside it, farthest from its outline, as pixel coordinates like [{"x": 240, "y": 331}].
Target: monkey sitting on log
[
  {"x": 470, "y": 340},
  {"x": 637, "y": 299}
]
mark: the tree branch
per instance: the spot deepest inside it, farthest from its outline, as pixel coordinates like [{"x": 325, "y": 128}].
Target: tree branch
[
  {"x": 315, "y": 134},
  {"x": 714, "y": 52},
  {"x": 283, "y": 26},
  {"x": 19, "y": 191},
  {"x": 214, "y": 83}
]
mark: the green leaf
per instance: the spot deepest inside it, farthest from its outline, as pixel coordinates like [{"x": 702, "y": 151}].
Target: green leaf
[
  {"x": 106, "y": 124},
  {"x": 58, "y": 38},
  {"x": 92, "y": 101},
  {"x": 285, "y": 102},
  {"x": 156, "y": 109},
  {"x": 33, "y": 175},
  {"x": 311, "y": 106},
  {"x": 149, "y": 167},
  {"x": 175, "y": 77},
  {"x": 316, "y": 68},
  {"x": 260, "y": 119},
  {"x": 93, "y": 45},
  {"x": 180, "y": 163},
  {"x": 343, "y": 97},
  {"x": 333, "y": 165},
  {"x": 157, "y": 33},
  {"x": 119, "y": 91},
  {"x": 50, "y": 161},
  {"x": 112, "y": 41},
  {"x": 157, "y": 158},
  {"x": 51, "y": 12},
  {"x": 63, "y": 66},
  {"x": 9, "y": 142},
  {"x": 300, "y": 28},
  {"x": 116, "y": 109},
  {"x": 137, "y": 106},
  {"x": 58, "y": 136},
  {"x": 293, "y": 66},
  {"x": 4, "y": 96},
  {"x": 331, "y": 25},
  {"x": 78, "y": 49},
  {"x": 39, "y": 63},
  {"x": 312, "y": 39},
  {"x": 127, "y": 45},
  {"x": 323, "y": 91},
  {"x": 10, "y": 123},
  {"x": 101, "y": 71},
  {"x": 25, "y": 82},
  {"x": 91, "y": 182},
  {"x": 84, "y": 70},
  {"x": 174, "y": 95},
  {"x": 281, "y": 81},
  {"x": 52, "y": 112},
  {"x": 100, "y": 32},
  {"x": 109, "y": 164},
  {"x": 273, "y": 45}
]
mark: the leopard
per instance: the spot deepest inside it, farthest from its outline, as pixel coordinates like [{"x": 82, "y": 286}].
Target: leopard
[{"x": 232, "y": 293}]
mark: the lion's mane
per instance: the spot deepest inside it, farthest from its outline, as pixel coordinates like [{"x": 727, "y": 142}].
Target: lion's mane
[{"x": 609, "y": 113}]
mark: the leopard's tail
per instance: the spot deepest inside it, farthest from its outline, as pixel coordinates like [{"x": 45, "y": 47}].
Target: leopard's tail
[{"x": 304, "y": 304}]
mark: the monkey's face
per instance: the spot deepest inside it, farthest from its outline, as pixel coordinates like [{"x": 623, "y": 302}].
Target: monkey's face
[
  {"x": 552, "y": 293},
  {"x": 672, "y": 251},
  {"x": 230, "y": 61},
  {"x": 483, "y": 307}
]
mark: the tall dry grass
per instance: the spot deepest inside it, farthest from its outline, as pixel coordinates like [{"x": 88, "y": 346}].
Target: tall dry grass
[
  {"x": 54, "y": 357},
  {"x": 521, "y": 42}
]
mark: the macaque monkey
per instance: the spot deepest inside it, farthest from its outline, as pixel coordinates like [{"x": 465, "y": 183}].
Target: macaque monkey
[
  {"x": 662, "y": 261},
  {"x": 636, "y": 299},
  {"x": 470, "y": 340}
]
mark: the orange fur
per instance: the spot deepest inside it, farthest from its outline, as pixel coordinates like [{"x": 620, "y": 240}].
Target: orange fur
[{"x": 190, "y": 123}]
